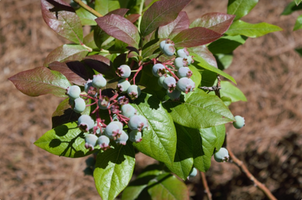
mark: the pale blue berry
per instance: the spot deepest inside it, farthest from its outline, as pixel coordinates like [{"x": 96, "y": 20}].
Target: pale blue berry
[
  {"x": 183, "y": 53},
  {"x": 160, "y": 81},
  {"x": 190, "y": 60},
  {"x": 85, "y": 123},
  {"x": 184, "y": 72},
  {"x": 79, "y": 105},
  {"x": 135, "y": 136},
  {"x": 169, "y": 83},
  {"x": 128, "y": 110},
  {"x": 239, "y": 122},
  {"x": 114, "y": 129},
  {"x": 180, "y": 62},
  {"x": 88, "y": 86},
  {"x": 123, "y": 85},
  {"x": 122, "y": 139},
  {"x": 158, "y": 70},
  {"x": 137, "y": 122},
  {"x": 99, "y": 81},
  {"x": 185, "y": 85},
  {"x": 124, "y": 71},
  {"x": 221, "y": 155},
  {"x": 103, "y": 103},
  {"x": 133, "y": 91},
  {"x": 90, "y": 141},
  {"x": 73, "y": 91},
  {"x": 162, "y": 44},
  {"x": 193, "y": 172},
  {"x": 103, "y": 141},
  {"x": 169, "y": 49},
  {"x": 175, "y": 94}
]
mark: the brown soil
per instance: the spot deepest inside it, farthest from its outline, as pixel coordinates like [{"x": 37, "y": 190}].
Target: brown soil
[{"x": 267, "y": 70}]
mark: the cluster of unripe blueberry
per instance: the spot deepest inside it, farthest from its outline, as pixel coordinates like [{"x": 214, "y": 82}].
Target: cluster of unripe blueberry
[
  {"x": 123, "y": 115},
  {"x": 174, "y": 76}
]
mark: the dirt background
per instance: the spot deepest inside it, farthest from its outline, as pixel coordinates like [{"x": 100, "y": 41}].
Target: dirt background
[{"x": 267, "y": 70}]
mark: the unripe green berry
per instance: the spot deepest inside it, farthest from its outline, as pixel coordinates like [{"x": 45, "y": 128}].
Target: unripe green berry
[
  {"x": 124, "y": 71},
  {"x": 193, "y": 172},
  {"x": 90, "y": 141},
  {"x": 239, "y": 122},
  {"x": 103, "y": 141},
  {"x": 122, "y": 139},
  {"x": 221, "y": 155},
  {"x": 128, "y": 110},
  {"x": 133, "y": 91},
  {"x": 85, "y": 123},
  {"x": 123, "y": 85},
  {"x": 135, "y": 136}
]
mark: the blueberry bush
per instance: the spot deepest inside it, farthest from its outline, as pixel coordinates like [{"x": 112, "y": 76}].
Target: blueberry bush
[{"x": 144, "y": 79}]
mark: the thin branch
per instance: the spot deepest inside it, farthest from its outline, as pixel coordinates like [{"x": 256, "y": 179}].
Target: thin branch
[
  {"x": 244, "y": 169},
  {"x": 205, "y": 185},
  {"x": 82, "y": 4}
]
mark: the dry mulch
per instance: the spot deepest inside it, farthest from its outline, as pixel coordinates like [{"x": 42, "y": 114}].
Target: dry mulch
[{"x": 267, "y": 70}]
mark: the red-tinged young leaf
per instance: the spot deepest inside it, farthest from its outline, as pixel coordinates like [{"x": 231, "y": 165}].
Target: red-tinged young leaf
[
  {"x": 195, "y": 37},
  {"x": 100, "y": 64},
  {"x": 39, "y": 81},
  {"x": 74, "y": 71},
  {"x": 119, "y": 28},
  {"x": 204, "y": 52},
  {"x": 66, "y": 52},
  {"x": 218, "y": 22},
  {"x": 61, "y": 18},
  {"x": 133, "y": 17},
  {"x": 161, "y": 13},
  {"x": 170, "y": 30}
]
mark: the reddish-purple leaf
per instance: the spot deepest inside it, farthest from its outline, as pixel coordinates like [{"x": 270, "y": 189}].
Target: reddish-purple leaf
[
  {"x": 74, "y": 71},
  {"x": 196, "y": 36},
  {"x": 120, "y": 12},
  {"x": 133, "y": 17},
  {"x": 119, "y": 28},
  {"x": 60, "y": 17},
  {"x": 66, "y": 52},
  {"x": 218, "y": 22},
  {"x": 161, "y": 13},
  {"x": 40, "y": 81},
  {"x": 100, "y": 64},
  {"x": 205, "y": 53},
  {"x": 170, "y": 30}
]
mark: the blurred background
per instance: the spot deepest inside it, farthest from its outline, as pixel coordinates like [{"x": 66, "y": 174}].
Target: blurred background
[{"x": 267, "y": 70}]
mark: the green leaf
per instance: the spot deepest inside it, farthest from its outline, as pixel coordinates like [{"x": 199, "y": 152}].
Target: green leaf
[
  {"x": 65, "y": 140},
  {"x": 40, "y": 81},
  {"x": 224, "y": 60},
  {"x": 86, "y": 17},
  {"x": 196, "y": 36},
  {"x": 183, "y": 161},
  {"x": 66, "y": 52},
  {"x": 113, "y": 170},
  {"x": 160, "y": 13},
  {"x": 119, "y": 28},
  {"x": 204, "y": 143},
  {"x": 218, "y": 22},
  {"x": 251, "y": 30},
  {"x": 298, "y": 24},
  {"x": 298, "y": 2},
  {"x": 105, "y": 6},
  {"x": 229, "y": 44},
  {"x": 89, "y": 40},
  {"x": 290, "y": 8},
  {"x": 61, "y": 18},
  {"x": 137, "y": 189},
  {"x": 229, "y": 90},
  {"x": 167, "y": 186},
  {"x": 202, "y": 63},
  {"x": 240, "y": 8},
  {"x": 196, "y": 77},
  {"x": 170, "y": 30},
  {"x": 159, "y": 140},
  {"x": 299, "y": 51},
  {"x": 200, "y": 111}
]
